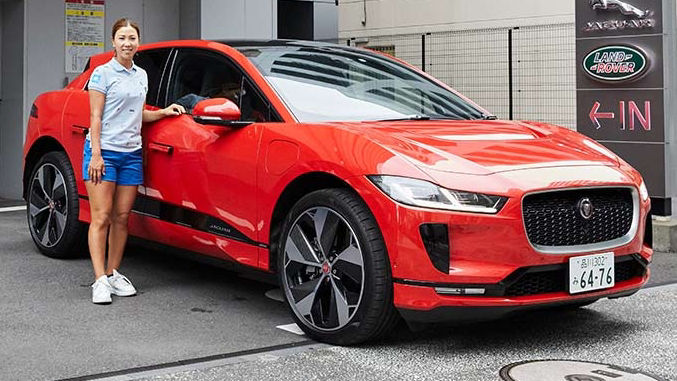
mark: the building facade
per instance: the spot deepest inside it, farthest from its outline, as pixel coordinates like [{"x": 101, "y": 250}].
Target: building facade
[{"x": 32, "y": 47}]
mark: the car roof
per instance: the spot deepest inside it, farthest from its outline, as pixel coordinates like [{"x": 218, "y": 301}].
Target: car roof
[{"x": 276, "y": 42}]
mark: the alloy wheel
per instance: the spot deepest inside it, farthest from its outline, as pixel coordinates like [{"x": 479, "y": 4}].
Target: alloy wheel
[
  {"x": 48, "y": 205},
  {"x": 323, "y": 269}
]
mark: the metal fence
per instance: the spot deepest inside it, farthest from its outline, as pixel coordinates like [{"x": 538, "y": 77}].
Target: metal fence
[{"x": 525, "y": 73}]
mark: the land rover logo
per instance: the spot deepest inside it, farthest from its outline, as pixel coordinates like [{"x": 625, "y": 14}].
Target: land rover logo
[
  {"x": 615, "y": 63},
  {"x": 585, "y": 208}
]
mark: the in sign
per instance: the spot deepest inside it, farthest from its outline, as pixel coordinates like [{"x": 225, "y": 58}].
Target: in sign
[{"x": 629, "y": 114}]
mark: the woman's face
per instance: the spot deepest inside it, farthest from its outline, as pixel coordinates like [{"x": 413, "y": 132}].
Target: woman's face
[{"x": 125, "y": 42}]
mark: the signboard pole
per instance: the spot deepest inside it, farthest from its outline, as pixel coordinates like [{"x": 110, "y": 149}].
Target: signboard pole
[{"x": 670, "y": 74}]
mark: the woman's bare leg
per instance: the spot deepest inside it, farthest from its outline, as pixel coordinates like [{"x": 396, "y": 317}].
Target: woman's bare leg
[
  {"x": 117, "y": 238},
  {"x": 100, "y": 205}
]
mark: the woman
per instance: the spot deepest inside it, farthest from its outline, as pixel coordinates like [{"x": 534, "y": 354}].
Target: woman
[{"x": 112, "y": 164}]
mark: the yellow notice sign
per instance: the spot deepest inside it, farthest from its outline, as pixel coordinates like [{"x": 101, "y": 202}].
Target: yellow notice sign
[{"x": 84, "y": 32}]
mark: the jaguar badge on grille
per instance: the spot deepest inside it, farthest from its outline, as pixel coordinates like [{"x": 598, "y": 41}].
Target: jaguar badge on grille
[{"x": 585, "y": 208}]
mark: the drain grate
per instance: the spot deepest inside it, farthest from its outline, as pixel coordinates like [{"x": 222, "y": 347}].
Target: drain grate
[{"x": 571, "y": 370}]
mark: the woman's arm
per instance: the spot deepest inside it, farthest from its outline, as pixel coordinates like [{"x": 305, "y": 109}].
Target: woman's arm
[
  {"x": 153, "y": 115},
  {"x": 96, "y": 165}
]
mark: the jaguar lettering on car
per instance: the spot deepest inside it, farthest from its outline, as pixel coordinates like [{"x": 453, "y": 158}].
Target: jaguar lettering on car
[{"x": 615, "y": 63}]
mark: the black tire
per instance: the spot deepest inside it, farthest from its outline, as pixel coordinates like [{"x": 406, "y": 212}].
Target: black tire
[
  {"x": 352, "y": 227},
  {"x": 56, "y": 230}
]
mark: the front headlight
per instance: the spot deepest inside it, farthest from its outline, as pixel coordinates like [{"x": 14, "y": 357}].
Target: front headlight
[
  {"x": 428, "y": 195},
  {"x": 643, "y": 192}
]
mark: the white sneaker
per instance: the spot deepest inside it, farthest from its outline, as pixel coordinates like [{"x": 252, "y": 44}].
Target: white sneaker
[
  {"x": 120, "y": 285},
  {"x": 101, "y": 290}
]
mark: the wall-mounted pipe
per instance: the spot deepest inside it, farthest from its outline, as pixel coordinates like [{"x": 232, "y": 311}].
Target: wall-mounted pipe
[{"x": 364, "y": 18}]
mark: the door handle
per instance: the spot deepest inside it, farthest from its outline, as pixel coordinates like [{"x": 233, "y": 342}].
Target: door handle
[
  {"x": 79, "y": 129},
  {"x": 164, "y": 148}
]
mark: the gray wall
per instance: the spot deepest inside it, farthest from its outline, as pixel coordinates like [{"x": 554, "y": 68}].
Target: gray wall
[
  {"x": 233, "y": 19},
  {"x": 44, "y": 49},
  {"x": 11, "y": 133},
  {"x": 189, "y": 25},
  {"x": 161, "y": 20},
  {"x": 326, "y": 21}
]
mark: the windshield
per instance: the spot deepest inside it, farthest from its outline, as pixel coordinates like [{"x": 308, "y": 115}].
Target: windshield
[{"x": 333, "y": 83}]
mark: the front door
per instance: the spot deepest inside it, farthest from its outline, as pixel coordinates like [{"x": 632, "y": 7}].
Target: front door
[{"x": 200, "y": 180}]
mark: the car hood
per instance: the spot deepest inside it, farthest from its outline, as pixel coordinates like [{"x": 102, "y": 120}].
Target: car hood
[{"x": 483, "y": 147}]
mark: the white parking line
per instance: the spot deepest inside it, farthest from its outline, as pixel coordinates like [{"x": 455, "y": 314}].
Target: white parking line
[
  {"x": 293, "y": 328},
  {"x": 12, "y": 208}
]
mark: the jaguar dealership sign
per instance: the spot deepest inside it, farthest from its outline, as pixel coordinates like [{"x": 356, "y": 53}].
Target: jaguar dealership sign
[
  {"x": 620, "y": 85},
  {"x": 635, "y": 18},
  {"x": 624, "y": 17}
]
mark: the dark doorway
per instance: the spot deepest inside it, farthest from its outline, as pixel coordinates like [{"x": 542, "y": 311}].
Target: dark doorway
[{"x": 295, "y": 20}]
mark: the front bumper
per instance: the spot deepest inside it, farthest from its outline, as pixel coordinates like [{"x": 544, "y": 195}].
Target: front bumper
[
  {"x": 502, "y": 309},
  {"x": 485, "y": 251},
  {"x": 421, "y": 302}
]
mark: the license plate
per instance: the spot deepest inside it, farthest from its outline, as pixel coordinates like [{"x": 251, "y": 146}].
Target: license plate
[{"x": 591, "y": 272}]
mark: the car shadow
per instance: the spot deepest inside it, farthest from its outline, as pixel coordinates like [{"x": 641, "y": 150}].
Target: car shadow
[
  {"x": 224, "y": 280},
  {"x": 566, "y": 327},
  {"x": 559, "y": 327}
]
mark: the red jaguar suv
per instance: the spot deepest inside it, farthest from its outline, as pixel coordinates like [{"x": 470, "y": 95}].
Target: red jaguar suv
[{"x": 371, "y": 189}]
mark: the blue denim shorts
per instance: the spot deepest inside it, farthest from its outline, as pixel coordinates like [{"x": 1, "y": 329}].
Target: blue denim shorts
[{"x": 122, "y": 168}]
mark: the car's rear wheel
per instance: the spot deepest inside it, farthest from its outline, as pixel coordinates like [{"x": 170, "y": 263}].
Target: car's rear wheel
[
  {"x": 52, "y": 208},
  {"x": 334, "y": 269}
]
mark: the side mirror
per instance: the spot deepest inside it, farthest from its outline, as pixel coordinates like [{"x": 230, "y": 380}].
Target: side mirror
[{"x": 218, "y": 111}]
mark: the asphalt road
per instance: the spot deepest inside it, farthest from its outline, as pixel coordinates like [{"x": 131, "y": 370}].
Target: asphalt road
[
  {"x": 50, "y": 329},
  {"x": 638, "y": 332},
  {"x": 197, "y": 322}
]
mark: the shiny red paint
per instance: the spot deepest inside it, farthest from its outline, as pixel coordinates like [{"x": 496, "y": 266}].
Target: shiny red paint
[
  {"x": 238, "y": 175},
  {"x": 217, "y": 107}
]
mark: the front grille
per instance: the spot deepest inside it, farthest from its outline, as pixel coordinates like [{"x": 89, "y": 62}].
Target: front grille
[
  {"x": 555, "y": 218},
  {"x": 555, "y": 278},
  {"x": 538, "y": 283}
]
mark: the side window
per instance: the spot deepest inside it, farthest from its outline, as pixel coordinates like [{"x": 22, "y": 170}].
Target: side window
[
  {"x": 201, "y": 74},
  {"x": 253, "y": 107},
  {"x": 153, "y": 62}
]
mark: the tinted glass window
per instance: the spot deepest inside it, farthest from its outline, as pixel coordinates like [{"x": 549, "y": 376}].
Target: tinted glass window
[
  {"x": 202, "y": 74},
  {"x": 332, "y": 83},
  {"x": 253, "y": 107},
  {"x": 153, "y": 62}
]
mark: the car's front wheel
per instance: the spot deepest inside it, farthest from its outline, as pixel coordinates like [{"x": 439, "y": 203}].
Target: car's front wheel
[
  {"x": 52, "y": 208},
  {"x": 334, "y": 269}
]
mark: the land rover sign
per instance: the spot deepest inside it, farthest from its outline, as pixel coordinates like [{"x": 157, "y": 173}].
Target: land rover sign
[{"x": 615, "y": 63}]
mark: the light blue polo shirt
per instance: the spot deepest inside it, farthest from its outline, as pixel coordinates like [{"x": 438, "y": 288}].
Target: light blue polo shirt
[{"x": 125, "y": 92}]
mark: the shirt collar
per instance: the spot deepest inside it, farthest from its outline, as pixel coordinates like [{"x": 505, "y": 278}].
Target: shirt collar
[{"x": 118, "y": 66}]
